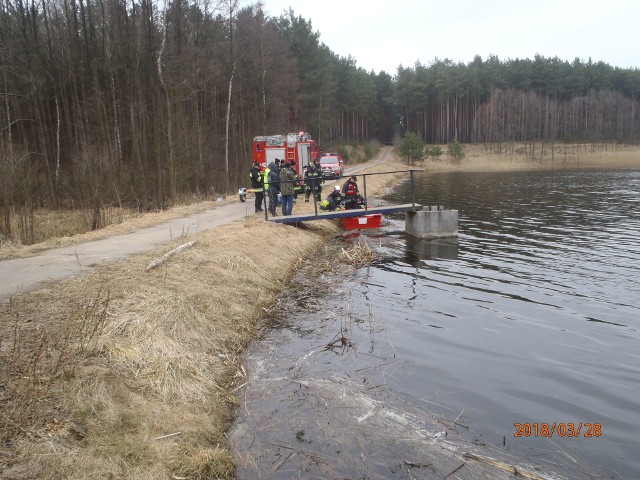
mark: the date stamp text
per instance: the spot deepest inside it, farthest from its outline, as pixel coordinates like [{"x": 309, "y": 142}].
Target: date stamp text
[{"x": 557, "y": 429}]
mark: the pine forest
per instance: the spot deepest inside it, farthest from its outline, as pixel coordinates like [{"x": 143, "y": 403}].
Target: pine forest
[{"x": 138, "y": 102}]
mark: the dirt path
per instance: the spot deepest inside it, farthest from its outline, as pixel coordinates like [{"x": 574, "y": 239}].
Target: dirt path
[{"x": 21, "y": 275}]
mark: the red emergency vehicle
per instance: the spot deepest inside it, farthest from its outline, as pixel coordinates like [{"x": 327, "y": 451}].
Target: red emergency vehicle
[
  {"x": 332, "y": 165},
  {"x": 299, "y": 148}
]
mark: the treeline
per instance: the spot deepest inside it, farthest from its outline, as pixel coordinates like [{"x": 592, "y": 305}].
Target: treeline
[
  {"x": 129, "y": 102},
  {"x": 520, "y": 100}
]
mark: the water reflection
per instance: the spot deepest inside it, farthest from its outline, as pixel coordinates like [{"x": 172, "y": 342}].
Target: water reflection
[{"x": 418, "y": 249}]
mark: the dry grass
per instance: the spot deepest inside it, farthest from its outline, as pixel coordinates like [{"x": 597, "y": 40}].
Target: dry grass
[
  {"x": 519, "y": 157},
  {"x": 357, "y": 254},
  {"x": 155, "y": 353}
]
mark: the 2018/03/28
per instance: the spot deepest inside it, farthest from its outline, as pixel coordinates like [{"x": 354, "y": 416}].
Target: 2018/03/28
[{"x": 559, "y": 429}]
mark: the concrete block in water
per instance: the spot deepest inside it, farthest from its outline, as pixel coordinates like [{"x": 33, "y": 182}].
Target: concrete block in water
[{"x": 432, "y": 223}]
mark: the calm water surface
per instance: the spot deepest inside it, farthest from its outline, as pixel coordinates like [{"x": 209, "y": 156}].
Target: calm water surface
[{"x": 530, "y": 316}]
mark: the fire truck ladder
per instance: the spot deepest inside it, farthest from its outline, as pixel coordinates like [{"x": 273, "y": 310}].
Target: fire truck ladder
[{"x": 291, "y": 154}]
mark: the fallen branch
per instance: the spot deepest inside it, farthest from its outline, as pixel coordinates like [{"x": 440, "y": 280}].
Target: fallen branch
[
  {"x": 342, "y": 342},
  {"x": 161, "y": 260},
  {"x": 503, "y": 466},
  {"x": 416, "y": 465},
  {"x": 168, "y": 435},
  {"x": 454, "y": 471}
]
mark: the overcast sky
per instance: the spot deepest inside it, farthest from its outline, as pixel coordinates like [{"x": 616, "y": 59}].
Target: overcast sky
[{"x": 380, "y": 35}]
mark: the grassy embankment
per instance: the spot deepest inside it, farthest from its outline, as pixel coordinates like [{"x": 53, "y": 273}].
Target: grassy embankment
[{"x": 125, "y": 373}]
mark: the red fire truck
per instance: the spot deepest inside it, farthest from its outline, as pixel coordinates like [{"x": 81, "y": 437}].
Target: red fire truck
[{"x": 299, "y": 148}]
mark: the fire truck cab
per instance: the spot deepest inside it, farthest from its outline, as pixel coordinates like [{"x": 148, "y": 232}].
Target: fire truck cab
[{"x": 299, "y": 148}]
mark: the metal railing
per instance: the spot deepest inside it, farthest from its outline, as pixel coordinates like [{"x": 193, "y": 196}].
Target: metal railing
[{"x": 364, "y": 188}]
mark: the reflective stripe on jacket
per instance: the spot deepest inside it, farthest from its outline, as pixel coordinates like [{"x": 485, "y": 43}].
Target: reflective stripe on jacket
[{"x": 265, "y": 178}]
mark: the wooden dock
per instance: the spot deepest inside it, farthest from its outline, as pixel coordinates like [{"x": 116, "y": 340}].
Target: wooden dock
[{"x": 360, "y": 212}]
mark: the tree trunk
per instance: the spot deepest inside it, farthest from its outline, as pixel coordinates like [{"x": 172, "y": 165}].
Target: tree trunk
[
  {"x": 171, "y": 166},
  {"x": 226, "y": 134},
  {"x": 136, "y": 147}
]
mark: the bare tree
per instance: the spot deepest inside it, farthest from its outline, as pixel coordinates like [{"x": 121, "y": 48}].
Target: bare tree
[{"x": 231, "y": 5}]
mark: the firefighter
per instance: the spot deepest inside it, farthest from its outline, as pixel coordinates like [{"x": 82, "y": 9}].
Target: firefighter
[
  {"x": 257, "y": 180},
  {"x": 353, "y": 199},
  {"x": 313, "y": 180},
  {"x": 297, "y": 187},
  {"x": 267, "y": 187},
  {"x": 334, "y": 200}
]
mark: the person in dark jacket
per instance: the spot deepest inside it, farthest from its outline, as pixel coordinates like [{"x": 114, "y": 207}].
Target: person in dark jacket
[
  {"x": 297, "y": 187},
  {"x": 257, "y": 180},
  {"x": 351, "y": 193},
  {"x": 313, "y": 180},
  {"x": 273, "y": 179},
  {"x": 287, "y": 189}
]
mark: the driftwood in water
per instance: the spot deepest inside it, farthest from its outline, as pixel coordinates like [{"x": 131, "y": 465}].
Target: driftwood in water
[
  {"x": 161, "y": 260},
  {"x": 503, "y": 466}
]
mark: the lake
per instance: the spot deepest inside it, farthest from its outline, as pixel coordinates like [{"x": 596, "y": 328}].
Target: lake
[{"x": 525, "y": 324}]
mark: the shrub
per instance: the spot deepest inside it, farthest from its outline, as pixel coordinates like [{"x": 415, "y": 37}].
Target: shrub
[
  {"x": 433, "y": 151},
  {"x": 412, "y": 148},
  {"x": 456, "y": 150}
]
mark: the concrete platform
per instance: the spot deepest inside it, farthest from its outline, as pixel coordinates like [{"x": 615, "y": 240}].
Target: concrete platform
[{"x": 433, "y": 223}]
